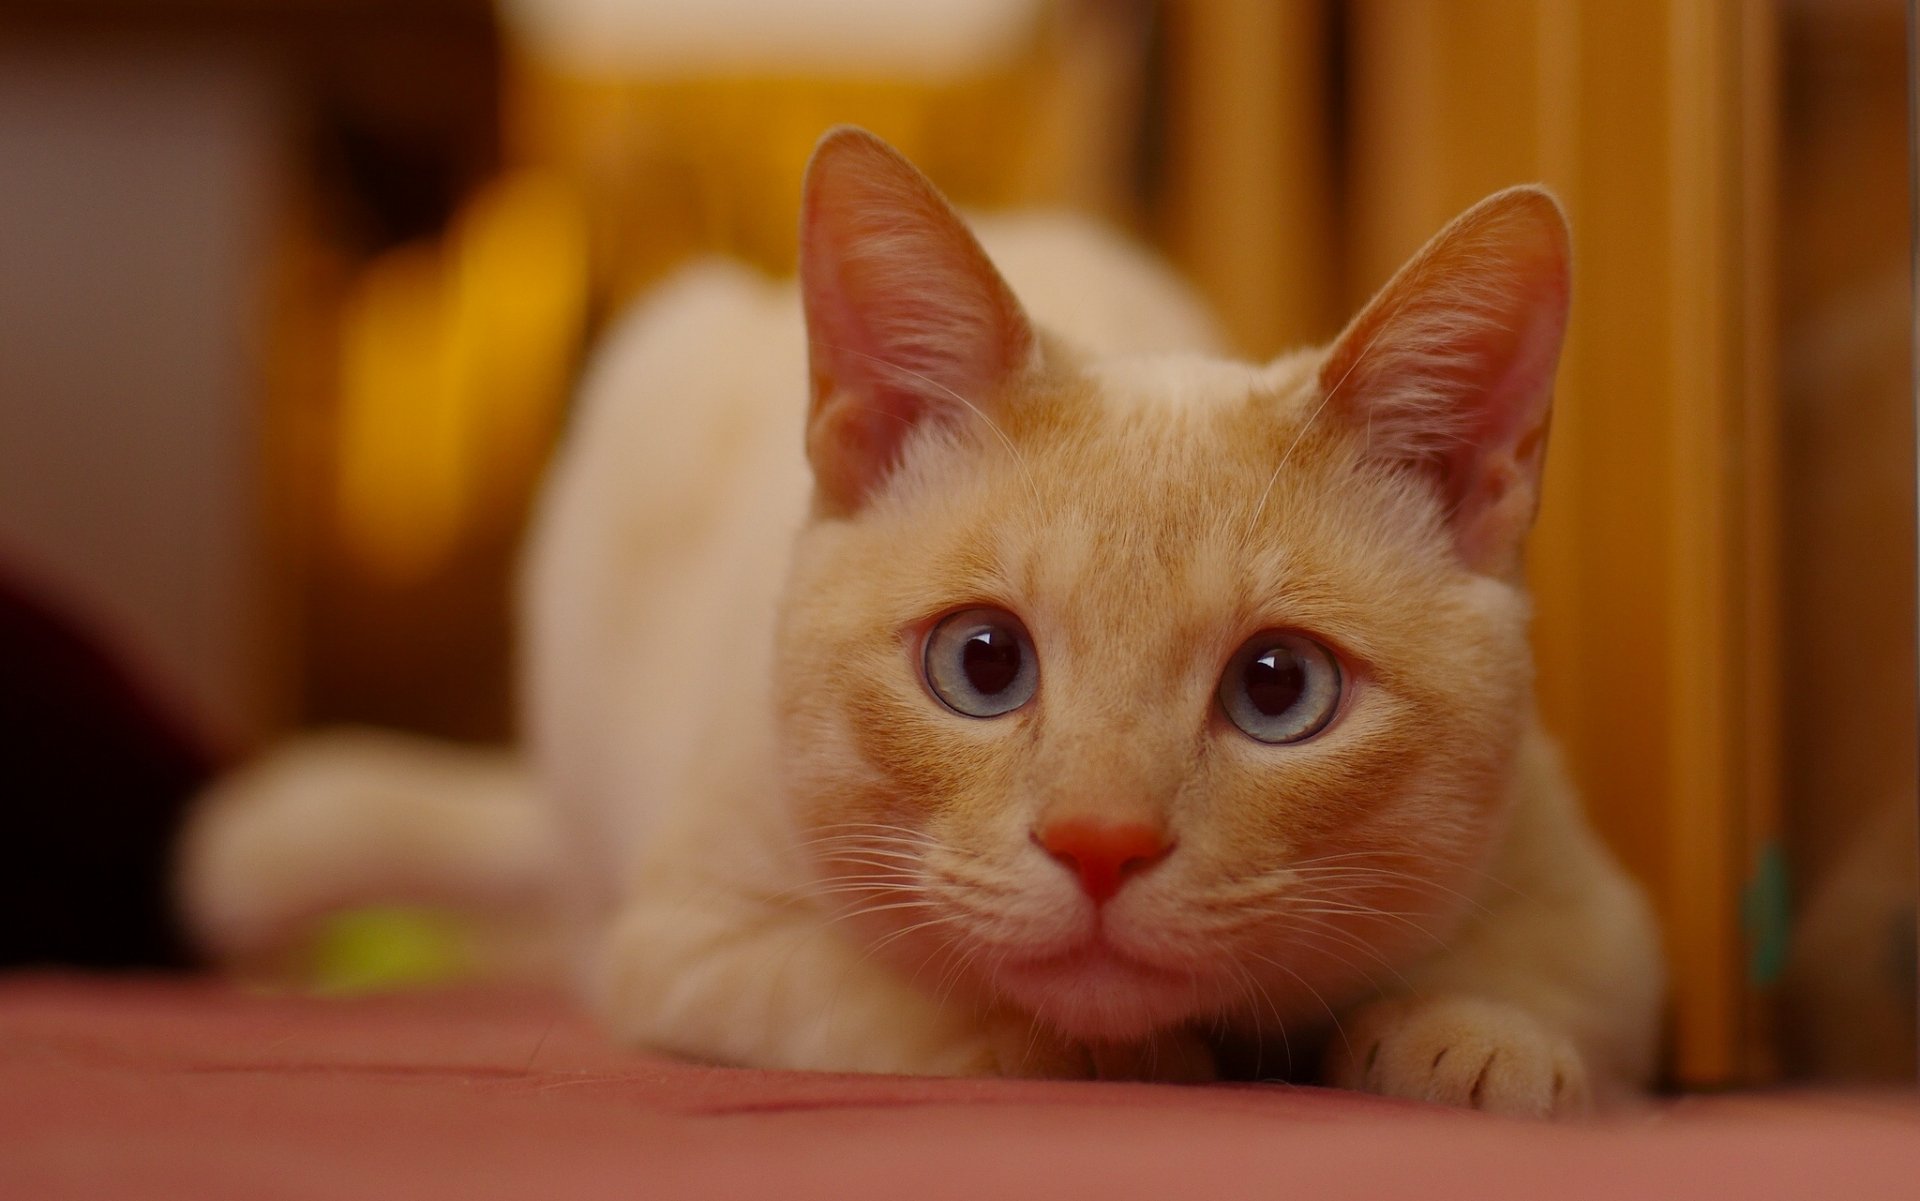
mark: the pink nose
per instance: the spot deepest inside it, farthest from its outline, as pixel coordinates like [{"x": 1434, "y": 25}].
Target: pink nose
[{"x": 1103, "y": 854}]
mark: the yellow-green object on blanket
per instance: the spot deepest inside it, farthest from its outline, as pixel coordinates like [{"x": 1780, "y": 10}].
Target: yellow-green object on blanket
[{"x": 391, "y": 949}]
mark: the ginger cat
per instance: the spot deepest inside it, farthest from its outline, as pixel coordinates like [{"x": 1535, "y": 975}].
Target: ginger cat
[{"x": 1080, "y": 703}]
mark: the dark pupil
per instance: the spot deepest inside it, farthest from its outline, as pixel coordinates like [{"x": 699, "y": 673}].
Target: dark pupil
[
  {"x": 1274, "y": 682},
  {"x": 991, "y": 659}
]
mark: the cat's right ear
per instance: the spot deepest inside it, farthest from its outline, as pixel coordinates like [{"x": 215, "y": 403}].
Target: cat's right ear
[
  {"x": 907, "y": 319},
  {"x": 1448, "y": 371}
]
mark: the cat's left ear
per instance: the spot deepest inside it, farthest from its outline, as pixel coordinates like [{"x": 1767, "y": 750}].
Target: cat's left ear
[
  {"x": 1449, "y": 370},
  {"x": 908, "y": 322}
]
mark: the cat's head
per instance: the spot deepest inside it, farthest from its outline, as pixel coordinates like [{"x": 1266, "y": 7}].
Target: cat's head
[{"x": 1136, "y": 691}]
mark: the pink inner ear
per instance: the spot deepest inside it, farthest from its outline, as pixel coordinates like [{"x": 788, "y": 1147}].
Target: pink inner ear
[
  {"x": 1509, "y": 401},
  {"x": 907, "y": 320},
  {"x": 1492, "y": 483},
  {"x": 855, "y": 440}
]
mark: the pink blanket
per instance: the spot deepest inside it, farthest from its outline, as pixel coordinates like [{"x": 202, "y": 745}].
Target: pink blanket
[{"x": 145, "y": 1088}]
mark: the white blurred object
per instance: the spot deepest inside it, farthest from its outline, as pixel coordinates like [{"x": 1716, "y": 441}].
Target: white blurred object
[{"x": 928, "y": 39}]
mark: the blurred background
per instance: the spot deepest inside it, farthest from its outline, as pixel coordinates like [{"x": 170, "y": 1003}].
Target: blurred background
[{"x": 292, "y": 293}]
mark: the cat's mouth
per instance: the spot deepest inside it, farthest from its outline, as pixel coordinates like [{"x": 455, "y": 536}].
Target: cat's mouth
[
  {"x": 1095, "y": 990},
  {"x": 1094, "y": 956}
]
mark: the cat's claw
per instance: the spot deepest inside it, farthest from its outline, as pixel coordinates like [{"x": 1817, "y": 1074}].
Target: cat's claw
[{"x": 1460, "y": 1051}]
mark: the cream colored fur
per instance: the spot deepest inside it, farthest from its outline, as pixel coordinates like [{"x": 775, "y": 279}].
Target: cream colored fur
[
  {"x": 778, "y": 849},
  {"x": 351, "y": 816}
]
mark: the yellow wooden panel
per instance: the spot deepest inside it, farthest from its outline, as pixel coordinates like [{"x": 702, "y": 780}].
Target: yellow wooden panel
[
  {"x": 1654, "y": 561},
  {"x": 1250, "y": 180}
]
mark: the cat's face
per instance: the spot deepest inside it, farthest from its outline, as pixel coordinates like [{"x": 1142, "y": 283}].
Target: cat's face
[{"x": 1138, "y": 691}]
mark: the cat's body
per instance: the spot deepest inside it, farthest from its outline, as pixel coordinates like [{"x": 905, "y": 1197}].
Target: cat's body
[{"x": 1093, "y": 705}]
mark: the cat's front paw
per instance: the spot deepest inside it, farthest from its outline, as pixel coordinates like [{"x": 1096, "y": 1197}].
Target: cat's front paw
[{"x": 1460, "y": 1051}]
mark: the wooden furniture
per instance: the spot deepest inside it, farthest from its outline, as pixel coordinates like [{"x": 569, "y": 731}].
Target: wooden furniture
[{"x": 1655, "y": 562}]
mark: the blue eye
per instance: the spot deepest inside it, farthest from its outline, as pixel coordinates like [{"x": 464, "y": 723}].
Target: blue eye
[
  {"x": 1281, "y": 688},
  {"x": 980, "y": 663}
]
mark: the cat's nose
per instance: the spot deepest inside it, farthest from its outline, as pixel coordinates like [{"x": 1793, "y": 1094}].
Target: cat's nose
[{"x": 1103, "y": 854}]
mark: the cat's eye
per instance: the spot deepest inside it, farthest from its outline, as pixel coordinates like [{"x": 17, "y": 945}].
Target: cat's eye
[
  {"x": 1281, "y": 688},
  {"x": 980, "y": 662}
]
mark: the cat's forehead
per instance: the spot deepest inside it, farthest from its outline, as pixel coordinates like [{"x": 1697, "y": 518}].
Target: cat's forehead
[
  {"x": 1173, "y": 483},
  {"x": 1170, "y": 441},
  {"x": 1184, "y": 485}
]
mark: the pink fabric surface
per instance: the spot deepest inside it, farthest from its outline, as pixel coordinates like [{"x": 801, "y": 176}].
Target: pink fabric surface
[{"x": 132, "y": 1089}]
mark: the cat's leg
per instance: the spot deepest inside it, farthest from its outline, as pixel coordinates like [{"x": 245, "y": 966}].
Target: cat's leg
[
  {"x": 1546, "y": 1003},
  {"x": 1542, "y": 1009},
  {"x": 729, "y": 978}
]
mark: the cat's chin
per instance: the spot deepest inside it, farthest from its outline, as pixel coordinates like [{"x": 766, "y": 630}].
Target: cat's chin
[{"x": 1100, "y": 995}]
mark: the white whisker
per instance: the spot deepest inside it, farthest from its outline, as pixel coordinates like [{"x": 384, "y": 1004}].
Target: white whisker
[{"x": 1331, "y": 1016}]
